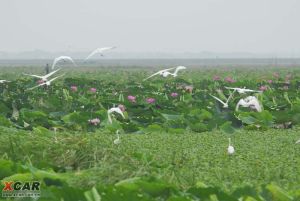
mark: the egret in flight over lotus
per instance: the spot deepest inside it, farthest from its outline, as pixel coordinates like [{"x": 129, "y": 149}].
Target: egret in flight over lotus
[
  {"x": 64, "y": 59},
  {"x": 43, "y": 77},
  {"x": 99, "y": 51},
  {"x": 47, "y": 83},
  {"x": 243, "y": 90},
  {"x": 114, "y": 110},
  {"x": 166, "y": 72},
  {"x": 251, "y": 102}
]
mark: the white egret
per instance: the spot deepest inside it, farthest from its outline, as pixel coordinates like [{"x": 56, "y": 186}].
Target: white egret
[
  {"x": 251, "y": 102},
  {"x": 117, "y": 140},
  {"x": 43, "y": 77},
  {"x": 62, "y": 58},
  {"x": 166, "y": 72},
  {"x": 99, "y": 51},
  {"x": 3, "y": 81},
  {"x": 47, "y": 83},
  {"x": 112, "y": 110},
  {"x": 225, "y": 104},
  {"x": 230, "y": 149},
  {"x": 243, "y": 90}
]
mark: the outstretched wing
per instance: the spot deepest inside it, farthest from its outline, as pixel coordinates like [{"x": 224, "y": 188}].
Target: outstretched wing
[
  {"x": 218, "y": 99},
  {"x": 36, "y": 86},
  {"x": 178, "y": 69},
  {"x": 56, "y": 78},
  {"x": 159, "y": 72},
  {"x": 92, "y": 54},
  {"x": 51, "y": 73},
  {"x": 37, "y": 76}
]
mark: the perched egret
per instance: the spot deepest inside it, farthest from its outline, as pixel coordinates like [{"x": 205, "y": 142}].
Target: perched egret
[
  {"x": 117, "y": 140},
  {"x": 47, "y": 83},
  {"x": 166, "y": 72},
  {"x": 230, "y": 149},
  {"x": 251, "y": 102},
  {"x": 43, "y": 77},
  {"x": 243, "y": 90},
  {"x": 62, "y": 58},
  {"x": 99, "y": 51},
  {"x": 112, "y": 110},
  {"x": 225, "y": 104}
]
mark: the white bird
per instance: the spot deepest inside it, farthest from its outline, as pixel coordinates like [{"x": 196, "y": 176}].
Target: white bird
[
  {"x": 118, "y": 140},
  {"x": 99, "y": 51},
  {"x": 43, "y": 77},
  {"x": 112, "y": 110},
  {"x": 166, "y": 72},
  {"x": 47, "y": 83},
  {"x": 62, "y": 58},
  {"x": 3, "y": 81},
  {"x": 243, "y": 90},
  {"x": 230, "y": 149},
  {"x": 251, "y": 102},
  {"x": 225, "y": 104}
]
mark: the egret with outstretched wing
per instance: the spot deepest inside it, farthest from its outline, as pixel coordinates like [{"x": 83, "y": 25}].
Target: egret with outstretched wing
[
  {"x": 62, "y": 58},
  {"x": 43, "y": 77},
  {"x": 99, "y": 51}
]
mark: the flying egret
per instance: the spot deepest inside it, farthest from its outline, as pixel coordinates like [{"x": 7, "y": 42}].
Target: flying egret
[
  {"x": 243, "y": 90},
  {"x": 251, "y": 102},
  {"x": 117, "y": 140},
  {"x": 166, "y": 72},
  {"x": 225, "y": 104},
  {"x": 230, "y": 149},
  {"x": 3, "y": 81},
  {"x": 47, "y": 83},
  {"x": 62, "y": 58},
  {"x": 99, "y": 51},
  {"x": 112, "y": 110},
  {"x": 44, "y": 77}
]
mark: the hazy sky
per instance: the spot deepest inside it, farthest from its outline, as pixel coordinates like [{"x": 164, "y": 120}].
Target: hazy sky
[{"x": 256, "y": 26}]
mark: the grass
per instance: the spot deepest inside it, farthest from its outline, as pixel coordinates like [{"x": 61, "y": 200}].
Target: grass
[{"x": 181, "y": 159}]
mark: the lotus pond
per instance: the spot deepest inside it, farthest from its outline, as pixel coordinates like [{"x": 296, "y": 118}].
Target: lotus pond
[{"x": 173, "y": 139}]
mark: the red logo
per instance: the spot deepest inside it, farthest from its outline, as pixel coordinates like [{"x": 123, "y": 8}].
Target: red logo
[{"x": 8, "y": 186}]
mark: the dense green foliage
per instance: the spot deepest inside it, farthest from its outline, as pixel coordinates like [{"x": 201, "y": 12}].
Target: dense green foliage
[
  {"x": 182, "y": 161},
  {"x": 172, "y": 149},
  {"x": 190, "y": 108}
]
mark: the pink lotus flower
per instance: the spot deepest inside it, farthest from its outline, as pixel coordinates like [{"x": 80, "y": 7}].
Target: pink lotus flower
[
  {"x": 263, "y": 88},
  {"x": 122, "y": 107},
  {"x": 216, "y": 78},
  {"x": 150, "y": 100},
  {"x": 229, "y": 80},
  {"x": 94, "y": 122},
  {"x": 131, "y": 99},
  {"x": 93, "y": 90},
  {"x": 74, "y": 88},
  {"x": 189, "y": 89},
  {"x": 270, "y": 81},
  {"x": 40, "y": 81},
  {"x": 174, "y": 94}
]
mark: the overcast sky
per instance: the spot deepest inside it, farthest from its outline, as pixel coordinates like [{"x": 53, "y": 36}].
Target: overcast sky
[{"x": 257, "y": 26}]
